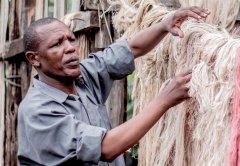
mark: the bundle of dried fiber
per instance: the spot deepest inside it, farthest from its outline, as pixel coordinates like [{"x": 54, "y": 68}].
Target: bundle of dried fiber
[
  {"x": 125, "y": 17},
  {"x": 223, "y": 13},
  {"x": 196, "y": 131}
]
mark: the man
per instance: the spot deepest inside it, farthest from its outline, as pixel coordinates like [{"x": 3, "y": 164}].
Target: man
[{"x": 62, "y": 120}]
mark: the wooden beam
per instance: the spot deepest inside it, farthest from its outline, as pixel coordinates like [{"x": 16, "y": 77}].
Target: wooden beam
[
  {"x": 85, "y": 21},
  {"x": 13, "y": 48},
  {"x": 101, "y": 4}
]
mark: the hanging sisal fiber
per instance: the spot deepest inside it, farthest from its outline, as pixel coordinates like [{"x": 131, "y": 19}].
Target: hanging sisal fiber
[
  {"x": 198, "y": 131},
  {"x": 223, "y": 13}
]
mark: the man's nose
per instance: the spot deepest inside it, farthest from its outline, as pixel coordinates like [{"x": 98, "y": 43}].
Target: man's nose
[{"x": 69, "y": 46}]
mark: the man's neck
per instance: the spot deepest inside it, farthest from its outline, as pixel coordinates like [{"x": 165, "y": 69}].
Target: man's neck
[{"x": 65, "y": 85}]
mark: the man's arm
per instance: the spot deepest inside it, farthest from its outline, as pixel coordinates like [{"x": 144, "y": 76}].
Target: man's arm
[
  {"x": 121, "y": 138},
  {"x": 148, "y": 38}
]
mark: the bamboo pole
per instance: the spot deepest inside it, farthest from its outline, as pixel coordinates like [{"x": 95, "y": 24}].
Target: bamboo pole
[{"x": 2, "y": 112}]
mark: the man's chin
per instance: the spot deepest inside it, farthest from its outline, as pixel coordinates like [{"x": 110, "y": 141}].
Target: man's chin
[{"x": 74, "y": 75}]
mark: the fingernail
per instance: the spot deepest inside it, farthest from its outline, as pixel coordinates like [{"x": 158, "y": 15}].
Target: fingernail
[{"x": 199, "y": 17}]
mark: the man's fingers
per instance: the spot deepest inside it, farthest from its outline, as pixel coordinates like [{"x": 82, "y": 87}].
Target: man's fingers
[
  {"x": 200, "y": 11},
  {"x": 185, "y": 77},
  {"x": 187, "y": 13},
  {"x": 188, "y": 77},
  {"x": 180, "y": 33},
  {"x": 186, "y": 72},
  {"x": 175, "y": 31},
  {"x": 195, "y": 12}
]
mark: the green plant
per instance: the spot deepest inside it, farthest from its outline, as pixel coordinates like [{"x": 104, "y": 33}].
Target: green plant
[{"x": 130, "y": 104}]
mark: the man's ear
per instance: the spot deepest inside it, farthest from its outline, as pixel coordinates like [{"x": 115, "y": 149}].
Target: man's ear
[{"x": 33, "y": 58}]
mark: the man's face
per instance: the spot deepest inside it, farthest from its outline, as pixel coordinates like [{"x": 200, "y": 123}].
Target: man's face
[{"x": 58, "y": 51}]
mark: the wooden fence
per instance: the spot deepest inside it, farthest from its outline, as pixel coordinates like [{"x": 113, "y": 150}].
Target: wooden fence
[{"x": 94, "y": 33}]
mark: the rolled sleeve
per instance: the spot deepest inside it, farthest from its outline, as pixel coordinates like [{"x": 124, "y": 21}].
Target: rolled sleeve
[
  {"x": 100, "y": 69},
  {"x": 119, "y": 60},
  {"x": 89, "y": 145}
]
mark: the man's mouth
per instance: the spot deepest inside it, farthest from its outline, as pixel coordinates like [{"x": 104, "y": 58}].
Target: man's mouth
[{"x": 72, "y": 61}]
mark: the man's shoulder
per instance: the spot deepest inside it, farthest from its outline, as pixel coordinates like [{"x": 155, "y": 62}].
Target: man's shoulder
[{"x": 36, "y": 100}]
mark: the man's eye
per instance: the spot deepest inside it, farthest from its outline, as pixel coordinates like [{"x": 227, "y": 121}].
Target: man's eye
[
  {"x": 57, "y": 44},
  {"x": 72, "y": 39}
]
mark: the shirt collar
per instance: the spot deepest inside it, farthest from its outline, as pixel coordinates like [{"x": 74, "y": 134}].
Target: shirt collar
[{"x": 57, "y": 94}]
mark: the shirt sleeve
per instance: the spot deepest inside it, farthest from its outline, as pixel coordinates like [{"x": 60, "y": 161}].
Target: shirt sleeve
[
  {"x": 100, "y": 69},
  {"x": 57, "y": 136}
]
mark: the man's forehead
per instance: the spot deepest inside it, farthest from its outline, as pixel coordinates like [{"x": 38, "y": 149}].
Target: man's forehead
[{"x": 52, "y": 29}]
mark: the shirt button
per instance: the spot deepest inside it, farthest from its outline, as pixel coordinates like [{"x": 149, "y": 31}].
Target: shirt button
[{"x": 81, "y": 81}]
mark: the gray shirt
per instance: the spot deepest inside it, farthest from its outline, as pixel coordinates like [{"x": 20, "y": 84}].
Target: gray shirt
[{"x": 55, "y": 128}]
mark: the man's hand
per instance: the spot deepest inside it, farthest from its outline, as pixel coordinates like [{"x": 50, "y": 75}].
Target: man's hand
[
  {"x": 177, "y": 90},
  {"x": 117, "y": 140},
  {"x": 173, "y": 22},
  {"x": 147, "y": 39}
]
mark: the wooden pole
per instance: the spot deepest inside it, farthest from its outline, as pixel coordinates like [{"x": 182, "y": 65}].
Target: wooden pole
[
  {"x": 76, "y": 5},
  {"x": 116, "y": 102},
  {"x": 3, "y": 30},
  {"x": 13, "y": 95},
  {"x": 2, "y": 112},
  {"x": 59, "y": 8},
  {"x": 39, "y": 9},
  {"x": 4, "y": 20},
  {"x": 45, "y": 8}
]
